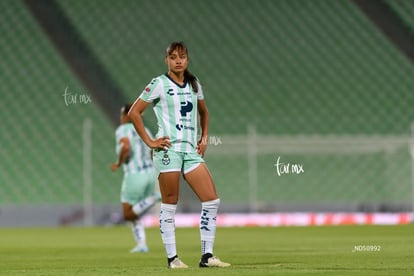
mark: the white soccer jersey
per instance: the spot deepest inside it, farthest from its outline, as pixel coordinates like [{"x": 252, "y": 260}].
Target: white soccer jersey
[
  {"x": 140, "y": 154},
  {"x": 176, "y": 109}
]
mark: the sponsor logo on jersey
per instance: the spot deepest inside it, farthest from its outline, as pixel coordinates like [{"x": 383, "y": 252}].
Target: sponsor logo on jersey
[
  {"x": 181, "y": 127},
  {"x": 186, "y": 107}
]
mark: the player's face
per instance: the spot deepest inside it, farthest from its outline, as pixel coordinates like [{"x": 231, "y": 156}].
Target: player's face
[{"x": 177, "y": 61}]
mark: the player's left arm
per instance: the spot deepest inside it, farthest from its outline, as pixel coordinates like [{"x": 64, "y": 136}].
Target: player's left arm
[
  {"x": 203, "y": 113},
  {"x": 123, "y": 154}
]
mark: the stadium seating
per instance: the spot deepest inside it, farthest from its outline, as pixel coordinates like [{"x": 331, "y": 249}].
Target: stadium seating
[
  {"x": 405, "y": 9},
  {"x": 296, "y": 68},
  {"x": 41, "y": 133},
  {"x": 277, "y": 62}
]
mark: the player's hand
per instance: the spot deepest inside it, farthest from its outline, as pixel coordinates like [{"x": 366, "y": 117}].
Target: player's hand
[
  {"x": 114, "y": 167},
  {"x": 161, "y": 143},
  {"x": 202, "y": 146}
]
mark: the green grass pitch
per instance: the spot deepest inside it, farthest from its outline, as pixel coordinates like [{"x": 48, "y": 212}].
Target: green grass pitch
[{"x": 320, "y": 250}]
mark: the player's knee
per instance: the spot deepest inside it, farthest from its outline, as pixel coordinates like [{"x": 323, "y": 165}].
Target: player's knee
[
  {"x": 129, "y": 215},
  {"x": 170, "y": 199}
]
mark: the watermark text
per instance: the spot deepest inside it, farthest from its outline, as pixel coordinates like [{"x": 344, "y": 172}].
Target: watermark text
[
  {"x": 75, "y": 98},
  {"x": 212, "y": 140},
  {"x": 287, "y": 168},
  {"x": 366, "y": 248}
]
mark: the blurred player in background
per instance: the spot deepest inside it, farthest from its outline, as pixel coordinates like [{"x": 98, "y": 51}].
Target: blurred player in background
[
  {"x": 178, "y": 100},
  {"x": 137, "y": 192}
]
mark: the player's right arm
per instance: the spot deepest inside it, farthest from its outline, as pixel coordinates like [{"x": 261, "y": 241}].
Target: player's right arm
[
  {"x": 150, "y": 93},
  {"x": 135, "y": 115}
]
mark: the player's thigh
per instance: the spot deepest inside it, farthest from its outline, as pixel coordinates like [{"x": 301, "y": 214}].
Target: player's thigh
[
  {"x": 169, "y": 186},
  {"x": 127, "y": 210},
  {"x": 202, "y": 183}
]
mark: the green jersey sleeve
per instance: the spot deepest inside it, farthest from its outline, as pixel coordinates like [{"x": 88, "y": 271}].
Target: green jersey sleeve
[
  {"x": 200, "y": 95},
  {"x": 152, "y": 91}
]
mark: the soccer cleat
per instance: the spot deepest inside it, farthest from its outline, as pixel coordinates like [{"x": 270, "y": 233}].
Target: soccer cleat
[
  {"x": 208, "y": 260},
  {"x": 139, "y": 249},
  {"x": 176, "y": 263}
]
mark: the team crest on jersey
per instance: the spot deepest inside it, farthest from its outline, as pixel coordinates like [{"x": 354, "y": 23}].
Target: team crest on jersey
[
  {"x": 147, "y": 89},
  {"x": 166, "y": 159}
]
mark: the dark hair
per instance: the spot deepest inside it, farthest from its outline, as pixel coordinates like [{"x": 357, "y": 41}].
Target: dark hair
[
  {"x": 125, "y": 108},
  {"x": 180, "y": 46}
]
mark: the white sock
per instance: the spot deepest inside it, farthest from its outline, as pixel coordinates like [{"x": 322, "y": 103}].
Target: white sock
[
  {"x": 143, "y": 206},
  {"x": 138, "y": 231},
  {"x": 208, "y": 225},
  {"x": 167, "y": 228}
]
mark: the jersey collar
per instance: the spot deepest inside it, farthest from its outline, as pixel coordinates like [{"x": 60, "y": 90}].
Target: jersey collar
[{"x": 181, "y": 86}]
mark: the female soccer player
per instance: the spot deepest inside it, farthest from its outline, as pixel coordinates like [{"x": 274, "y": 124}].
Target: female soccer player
[
  {"x": 178, "y": 99},
  {"x": 137, "y": 193}
]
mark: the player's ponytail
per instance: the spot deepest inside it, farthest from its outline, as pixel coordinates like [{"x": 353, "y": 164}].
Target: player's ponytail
[
  {"x": 125, "y": 108},
  {"x": 191, "y": 79},
  {"x": 180, "y": 46}
]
